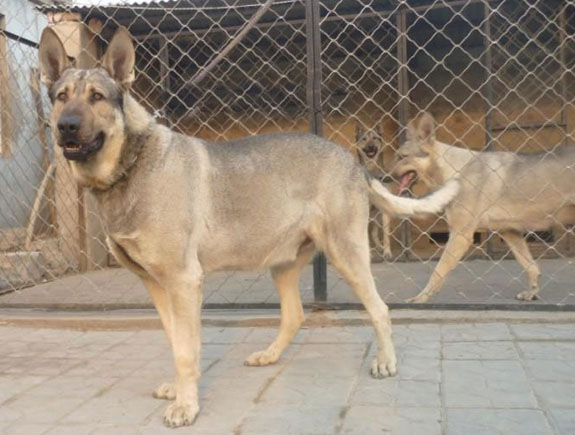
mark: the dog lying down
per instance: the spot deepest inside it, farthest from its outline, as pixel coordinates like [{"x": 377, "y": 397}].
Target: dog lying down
[{"x": 176, "y": 208}]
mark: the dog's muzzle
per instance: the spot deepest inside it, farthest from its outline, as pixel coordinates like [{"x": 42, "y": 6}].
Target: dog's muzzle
[
  {"x": 370, "y": 151},
  {"x": 78, "y": 151}
]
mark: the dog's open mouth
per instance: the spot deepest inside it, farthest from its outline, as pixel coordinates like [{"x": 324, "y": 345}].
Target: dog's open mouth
[
  {"x": 405, "y": 181},
  {"x": 370, "y": 151},
  {"x": 81, "y": 151}
]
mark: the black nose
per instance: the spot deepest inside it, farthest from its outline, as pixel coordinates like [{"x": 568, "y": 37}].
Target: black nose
[{"x": 69, "y": 125}]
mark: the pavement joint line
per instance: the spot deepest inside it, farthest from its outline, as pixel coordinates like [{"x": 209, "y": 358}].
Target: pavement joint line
[
  {"x": 31, "y": 387},
  {"x": 211, "y": 365},
  {"x": 538, "y": 400},
  {"x": 442, "y": 399},
  {"x": 345, "y": 409},
  {"x": 273, "y": 377},
  {"x": 266, "y": 385}
]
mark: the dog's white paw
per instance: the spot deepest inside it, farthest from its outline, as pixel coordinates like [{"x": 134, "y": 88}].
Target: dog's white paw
[
  {"x": 387, "y": 255},
  {"x": 181, "y": 414},
  {"x": 419, "y": 299},
  {"x": 166, "y": 391},
  {"x": 380, "y": 370},
  {"x": 527, "y": 295},
  {"x": 261, "y": 358}
]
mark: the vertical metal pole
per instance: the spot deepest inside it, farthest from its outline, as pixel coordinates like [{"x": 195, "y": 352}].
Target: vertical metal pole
[
  {"x": 403, "y": 109},
  {"x": 164, "y": 61},
  {"x": 564, "y": 233},
  {"x": 488, "y": 64},
  {"x": 313, "y": 51},
  {"x": 488, "y": 82},
  {"x": 562, "y": 59}
]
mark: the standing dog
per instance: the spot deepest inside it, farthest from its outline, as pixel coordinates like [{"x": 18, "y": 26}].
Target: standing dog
[
  {"x": 370, "y": 151},
  {"x": 500, "y": 191},
  {"x": 176, "y": 208}
]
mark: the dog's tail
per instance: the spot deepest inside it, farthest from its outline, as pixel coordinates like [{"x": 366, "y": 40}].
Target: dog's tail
[{"x": 399, "y": 206}]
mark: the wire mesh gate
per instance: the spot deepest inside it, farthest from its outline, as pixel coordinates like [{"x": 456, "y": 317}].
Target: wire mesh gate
[{"x": 497, "y": 75}]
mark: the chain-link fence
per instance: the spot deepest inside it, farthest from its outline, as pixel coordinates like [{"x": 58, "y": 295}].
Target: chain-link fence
[{"x": 496, "y": 75}]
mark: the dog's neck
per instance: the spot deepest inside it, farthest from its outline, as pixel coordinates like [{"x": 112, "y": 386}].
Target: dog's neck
[
  {"x": 138, "y": 125},
  {"x": 449, "y": 160}
]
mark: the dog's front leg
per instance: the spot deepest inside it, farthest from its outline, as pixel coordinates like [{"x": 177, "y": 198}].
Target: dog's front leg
[
  {"x": 457, "y": 246},
  {"x": 185, "y": 293}
]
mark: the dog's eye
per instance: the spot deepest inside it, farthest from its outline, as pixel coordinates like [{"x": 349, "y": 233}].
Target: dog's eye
[
  {"x": 96, "y": 96},
  {"x": 62, "y": 96}
]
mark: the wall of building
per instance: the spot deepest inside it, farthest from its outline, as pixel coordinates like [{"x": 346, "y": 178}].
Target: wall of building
[{"x": 22, "y": 173}]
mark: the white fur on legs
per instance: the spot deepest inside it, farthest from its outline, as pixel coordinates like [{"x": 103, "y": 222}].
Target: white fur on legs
[
  {"x": 166, "y": 391},
  {"x": 458, "y": 244},
  {"x": 162, "y": 303},
  {"x": 523, "y": 256},
  {"x": 181, "y": 413},
  {"x": 386, "y": 225},
  {"x": 353, "y": 263},
  {"x": 185, "y": 297},
  {"x": 380, "y": 244},
  {"x": 286, "y": 279}
]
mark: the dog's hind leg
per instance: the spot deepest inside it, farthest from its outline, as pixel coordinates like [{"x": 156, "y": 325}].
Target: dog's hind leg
[
  {"x": 349, "y": 253},
  {"x": 386, "y": 224},
  {"x": 380, "y": 221},
  {"x": 376, "y": 245},
  {"x": 286, "y": 279},
  {"x": 458, "y": 244},
  {"x": 523, "y": 256}
]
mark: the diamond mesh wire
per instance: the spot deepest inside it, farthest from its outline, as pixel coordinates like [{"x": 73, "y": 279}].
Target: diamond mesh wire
[{"x": 496, "y": 75}]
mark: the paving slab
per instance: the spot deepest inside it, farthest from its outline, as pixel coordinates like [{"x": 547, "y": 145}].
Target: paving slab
[{"x": 499, "y": 377}]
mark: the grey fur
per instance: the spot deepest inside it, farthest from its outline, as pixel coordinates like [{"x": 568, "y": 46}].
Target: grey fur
[{"x": 176, "y": 207}]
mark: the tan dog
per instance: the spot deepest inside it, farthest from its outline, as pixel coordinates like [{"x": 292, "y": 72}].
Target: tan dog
[
  {"x": 500, "y": 191},
  {"x": 370, "y": 151},
  {"x": 176, "y": 208}
]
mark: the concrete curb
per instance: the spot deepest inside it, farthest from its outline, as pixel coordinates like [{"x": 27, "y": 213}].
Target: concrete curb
[{"x": 148, "y": 319}]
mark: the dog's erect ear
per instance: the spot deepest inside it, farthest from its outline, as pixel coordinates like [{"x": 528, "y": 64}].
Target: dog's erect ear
[
  {"x": 426, "y": 129},
  {"x": 52, "y": 57},
  {"x": 120, "y": 58}
]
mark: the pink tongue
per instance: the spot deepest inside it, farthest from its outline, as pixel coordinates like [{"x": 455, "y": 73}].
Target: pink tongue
[{"x": 405, "y": 182}]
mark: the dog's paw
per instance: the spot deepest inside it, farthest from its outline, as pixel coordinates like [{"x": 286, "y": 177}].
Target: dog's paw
[
  {"x": 387, "y": 255},
  {"x": 380, "y": 370},
  {"x": 261, "y": 358},
  {"x": 419, "y": 299},
  {"x": 165, "y": 391},
  {"x": 180, "y": 414},
  {"x": 527, "y": 295}
]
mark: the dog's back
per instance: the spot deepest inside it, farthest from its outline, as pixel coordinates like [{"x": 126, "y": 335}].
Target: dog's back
[
  {"x": 520, "y": 191},
  {"x": 291, "y": 183}
]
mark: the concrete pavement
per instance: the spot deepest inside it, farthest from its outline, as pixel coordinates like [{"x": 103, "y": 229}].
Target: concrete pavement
[
  {"x": 473, "y": 282},
  {"x": 480, "y": 376}
]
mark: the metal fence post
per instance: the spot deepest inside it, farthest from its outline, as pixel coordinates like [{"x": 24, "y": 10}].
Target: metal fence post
[
  {"x": 313, "y": 51},
  {"x": 403, "y": 111}
]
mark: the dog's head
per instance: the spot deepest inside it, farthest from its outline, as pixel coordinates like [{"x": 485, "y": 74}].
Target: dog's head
[
  {"x": 414, "y": 158},
  {"x": 369, "y": 143},
  {"x": 87, "y": 119}
]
